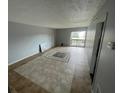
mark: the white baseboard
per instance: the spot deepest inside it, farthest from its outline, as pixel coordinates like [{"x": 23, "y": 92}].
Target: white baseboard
[
  {"x": 21, "y": 59},
  {"x": 27, "y": 57}
]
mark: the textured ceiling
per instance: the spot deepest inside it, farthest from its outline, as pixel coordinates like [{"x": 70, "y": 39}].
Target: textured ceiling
[{"x": 54, "y": 13}]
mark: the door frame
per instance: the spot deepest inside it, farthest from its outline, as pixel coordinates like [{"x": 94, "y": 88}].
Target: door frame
[
  {"x": 96, "y": 47},
  {"x": 100, "y": 48}
]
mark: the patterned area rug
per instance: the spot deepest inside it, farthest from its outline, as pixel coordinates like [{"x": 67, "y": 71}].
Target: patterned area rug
[
  {"x": 53, "y": 75},
  {"x": 58, "y": 55}
]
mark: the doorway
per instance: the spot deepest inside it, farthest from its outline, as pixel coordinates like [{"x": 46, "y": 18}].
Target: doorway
[
  {"x": 78, "y": 39},
  {"x": 96, "y": 48}
]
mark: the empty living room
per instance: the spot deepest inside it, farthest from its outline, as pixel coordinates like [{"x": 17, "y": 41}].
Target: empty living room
[{"x": 61, "y": 46}]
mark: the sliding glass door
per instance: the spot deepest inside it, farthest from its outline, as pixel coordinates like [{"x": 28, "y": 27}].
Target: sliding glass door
[{"x": 78, "y": 39}]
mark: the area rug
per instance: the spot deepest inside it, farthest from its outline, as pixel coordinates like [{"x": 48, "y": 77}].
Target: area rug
[
  {"x": 58, "y": 55},
  {"x": 52, "y": 75}
]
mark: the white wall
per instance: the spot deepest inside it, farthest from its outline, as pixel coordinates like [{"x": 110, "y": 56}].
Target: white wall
[
  {"x": 63, "y": 35},
  {"x": 90, "y": 41},
  {"x": 105, "y": 74},
  {"x": 24, "y": 40}
]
